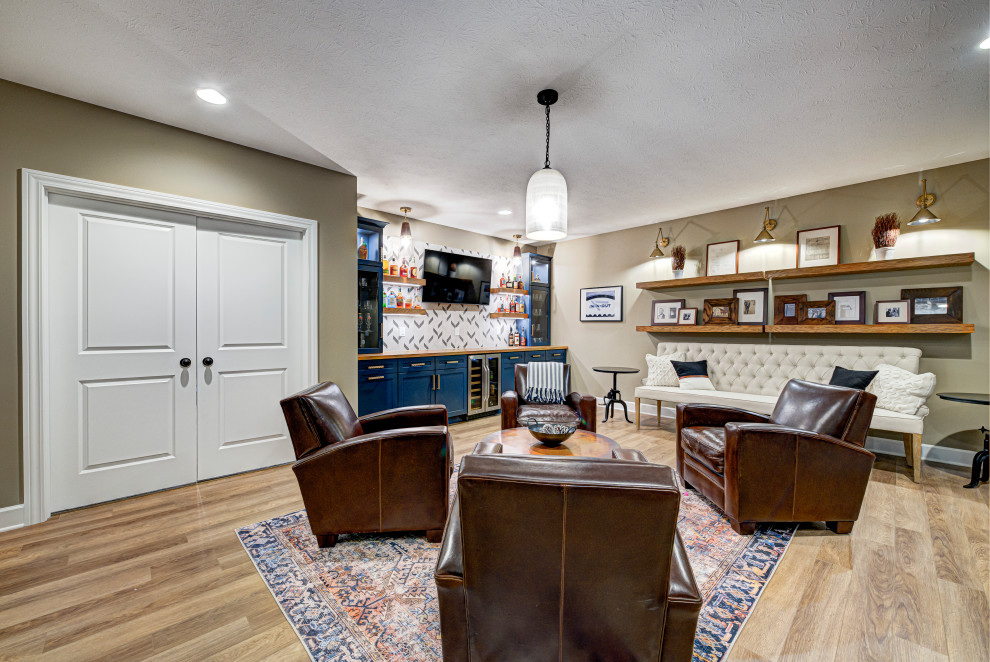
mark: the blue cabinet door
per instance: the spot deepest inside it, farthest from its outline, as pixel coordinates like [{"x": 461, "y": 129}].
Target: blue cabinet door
[
  {"x": 452, "y": 391},
  {"x": 375, "y": 393},
  {"x": 558, "y": 355},
  {"x": 416, "y": 388}
]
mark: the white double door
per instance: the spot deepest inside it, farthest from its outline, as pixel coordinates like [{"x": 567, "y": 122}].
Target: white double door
[{"x": 172, "y": 339}]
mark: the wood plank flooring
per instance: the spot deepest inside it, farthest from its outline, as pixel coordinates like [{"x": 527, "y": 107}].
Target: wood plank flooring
[{"x": 163, "y": 577}]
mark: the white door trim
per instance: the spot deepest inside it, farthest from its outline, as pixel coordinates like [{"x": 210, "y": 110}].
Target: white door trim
[{"x": 35, "y": 187}]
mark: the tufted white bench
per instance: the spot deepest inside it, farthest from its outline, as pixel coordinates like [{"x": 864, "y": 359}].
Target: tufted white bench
[{"x": 752, "y": 376}]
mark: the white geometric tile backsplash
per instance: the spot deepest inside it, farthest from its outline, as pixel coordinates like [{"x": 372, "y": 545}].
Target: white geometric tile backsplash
[{"x": 437, "y": 328}]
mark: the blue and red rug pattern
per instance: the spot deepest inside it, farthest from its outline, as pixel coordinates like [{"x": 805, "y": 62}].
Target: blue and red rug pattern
[{"x": 372, "y": 597}]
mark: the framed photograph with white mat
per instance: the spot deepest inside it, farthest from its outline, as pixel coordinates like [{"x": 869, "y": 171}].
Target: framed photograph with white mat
[
  {"x": 752, "y": 305},
  {"x": 892, "y": 312},
  {"x": 687, "y": 316},
  {"x": 601, "y": 304},
  {"x": 664, "y": 311},
  {"x": 818, "y": 247},
  {"x": 722, "y": 259},
  {"x": 850, "y": 307}
]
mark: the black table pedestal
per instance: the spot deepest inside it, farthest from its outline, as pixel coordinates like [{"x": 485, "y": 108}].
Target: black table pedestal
[
  {"x": 981, "y": 462},
  {"x": 614, "y": 396}
]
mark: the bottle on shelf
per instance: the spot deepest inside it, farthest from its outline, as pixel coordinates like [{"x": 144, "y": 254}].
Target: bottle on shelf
[
  {"x": 385, "y": 266},
  {"x": 501, "y": 281},
  {"x": 398, "y": 299},
  {"x": 391, "y": 298},
  {"x": 404, "y": 269},
  {"x": 412, "y": 271},
  {"x": 522, "y": 340},
  {"x": 363, "y": 249}
]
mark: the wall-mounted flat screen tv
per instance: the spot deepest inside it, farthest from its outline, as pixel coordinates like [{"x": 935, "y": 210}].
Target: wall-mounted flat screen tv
[{"x": 453, "y": 278}]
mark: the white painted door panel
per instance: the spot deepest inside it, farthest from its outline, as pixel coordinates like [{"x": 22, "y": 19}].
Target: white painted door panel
[
  {"x": 251, "y": 322},
  {"x": 121, "y": 302}
]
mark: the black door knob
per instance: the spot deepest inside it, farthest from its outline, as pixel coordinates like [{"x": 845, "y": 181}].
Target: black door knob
[
  {"x": 207, "y": 361},
  {"x": 185, "y": 363}
]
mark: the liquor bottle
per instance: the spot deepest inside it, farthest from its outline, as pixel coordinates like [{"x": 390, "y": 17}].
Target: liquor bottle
[
  {"x": 523, "y": 341},
  {"x": 404, "y": 270},
  {"x": 501, "y": 281},
  {"x": 391, "y": 297},
  {"x": 398, "y": 300},
  {"x": 363, "y": 249},
  {"x": 385, "y": 266},
  {"x": 412, "y": 271}
]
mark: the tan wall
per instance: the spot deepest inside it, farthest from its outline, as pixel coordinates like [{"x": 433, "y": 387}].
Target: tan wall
[
  {"x": 620, "y": 258},
  {"x": 432, "y": 233},
  {"x": 46, "y": 132}
]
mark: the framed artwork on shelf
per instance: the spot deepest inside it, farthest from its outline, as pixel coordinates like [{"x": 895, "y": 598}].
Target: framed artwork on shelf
[
  {"x": 935, "y": 305},
  {"x": 785, "y": 308},
  {"x": 892, "y": 312},
  {"x": 818, "y": 247},
  {"x": 752, "y": 305},
  {"x": 816, "y": 312},
  {"x": 720, "y": 311},
  {"x": 850, "y": 307},
  {"x": 722, "y": 258},
  {"x": 664, "y": 311},
  {"x": 601, "y": 304},
  {"x": 687, "y": 316}
]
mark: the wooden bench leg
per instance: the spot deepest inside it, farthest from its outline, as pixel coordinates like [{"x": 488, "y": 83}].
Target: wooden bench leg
[
  {"x": 637, "y": 413},
  {"x": 916, "y": 456},
  {"x": 908, "y": 450}
]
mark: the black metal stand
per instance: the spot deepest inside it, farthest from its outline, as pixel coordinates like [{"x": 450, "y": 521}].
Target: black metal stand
[
  {"x": 614, "y": 396},
  {"x": 981, "y": 462}
]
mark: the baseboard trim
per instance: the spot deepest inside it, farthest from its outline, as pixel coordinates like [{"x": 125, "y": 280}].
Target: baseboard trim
[
  {"x": 958, "y": 457},
  {"x": 11, "y": 517}
]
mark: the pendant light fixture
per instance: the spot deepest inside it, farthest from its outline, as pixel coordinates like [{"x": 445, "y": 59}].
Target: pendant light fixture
[
  {"x": 924, "y": 215},
  {"x": 658, "y": 242},
  {"x": 517, "y": 252},
  {"x": 406, "y": 233},
  {"x": 546, "y": 194},
  {"x": 768, "y": 224}
]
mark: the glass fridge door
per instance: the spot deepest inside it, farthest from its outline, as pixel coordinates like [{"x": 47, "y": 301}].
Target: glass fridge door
[
  {"x": 539, "y": 317},
  {"x": 369, "y": 309},
  {"x": 494, "y": 392},
  {"x": 476, "y": 384}
]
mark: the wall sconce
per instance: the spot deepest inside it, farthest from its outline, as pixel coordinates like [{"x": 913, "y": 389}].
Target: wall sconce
[
  {"x": 924, "y": 215},
  {"x": 516, "y": 252},
  {"x": 768, "y": 224},
  {"x": 660, "y": 241},
  {"x": 406, "y": 232}
]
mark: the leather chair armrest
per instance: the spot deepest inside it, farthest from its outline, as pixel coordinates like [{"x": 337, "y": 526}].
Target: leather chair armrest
[
  {"x": 587, "y": 408},
  {"x": 449, "y": 576},
  {"x": 488, "y": 448},
  {"x": 314, "y": 463},
  {"x": 510, "y": 406},
  {"x": 689, "y": 415},
  {"x": 404, "y": 417},
  {"x": 683, "y": 606},
  {"x": 628, "y": 454},
  {"x": 740, "y": 433},
  {"x": 450, "y": 567}
]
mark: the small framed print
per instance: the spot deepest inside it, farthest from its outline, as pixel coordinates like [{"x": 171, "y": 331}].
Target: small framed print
[
  {"x": 601, "y": 304},
  {"x": 935, "y": 305},
  {"x": 722, "y": 258},
  {"x": 664, "y": 311},
  {"x": 752, "y": 305},
  {"x": 785, "y": 308},
  {"x": 850, "y": 307},
  {"x": 818, "y": 247},
  {"x": 687, "y": 316},
  {"x": 816, "y": 312},
  {"x": 892, "y": 312},
  {"x": 720, "y": 311}
]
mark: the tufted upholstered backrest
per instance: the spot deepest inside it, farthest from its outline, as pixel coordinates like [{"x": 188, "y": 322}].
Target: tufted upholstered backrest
[{"x": 764, "y": 369}]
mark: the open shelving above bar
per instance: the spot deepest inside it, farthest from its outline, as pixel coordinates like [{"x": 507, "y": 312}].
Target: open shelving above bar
[
  {"x": 405, "y": 311},
  {"x": 517, "y": 316},
  {"x": 510, "y": 291},
  {"x": 705, "y": 328},
  {"x": 402, "y": 280}
]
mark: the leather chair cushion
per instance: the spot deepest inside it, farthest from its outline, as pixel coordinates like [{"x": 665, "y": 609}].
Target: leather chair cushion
[
  {"x": 555, "y": 413},
  {"x": 706, "y": 445}
]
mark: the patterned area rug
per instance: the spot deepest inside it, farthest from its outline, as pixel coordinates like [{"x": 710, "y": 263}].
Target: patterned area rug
[{"x": 372, "y": 597}]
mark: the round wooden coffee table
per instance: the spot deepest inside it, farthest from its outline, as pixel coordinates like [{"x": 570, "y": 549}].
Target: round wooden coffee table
[{"x": 518, "y": 441}]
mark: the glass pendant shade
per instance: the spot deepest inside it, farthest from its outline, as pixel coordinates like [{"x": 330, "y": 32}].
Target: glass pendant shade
[{"x": 546, "y": 206}]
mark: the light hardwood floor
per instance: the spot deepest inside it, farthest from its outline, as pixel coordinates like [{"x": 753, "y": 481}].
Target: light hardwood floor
[{"x": 164, "y": 577}]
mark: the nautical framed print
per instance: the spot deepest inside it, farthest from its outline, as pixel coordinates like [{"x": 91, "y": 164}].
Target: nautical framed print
[{"x": 601, "y": 304}]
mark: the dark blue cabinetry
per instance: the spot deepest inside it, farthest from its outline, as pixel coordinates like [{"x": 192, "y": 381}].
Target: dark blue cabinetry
[
  {"x": 376, "y": 386},
  {"x": 441, "y": 380},
  {"x": 558, "y": 355}
]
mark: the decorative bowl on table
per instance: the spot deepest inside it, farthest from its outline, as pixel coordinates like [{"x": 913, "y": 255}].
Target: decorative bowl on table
[{"x": 550, "y": 433}]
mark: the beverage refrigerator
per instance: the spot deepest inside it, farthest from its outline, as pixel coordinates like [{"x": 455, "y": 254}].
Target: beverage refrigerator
[{"x": 484, "y": 388}]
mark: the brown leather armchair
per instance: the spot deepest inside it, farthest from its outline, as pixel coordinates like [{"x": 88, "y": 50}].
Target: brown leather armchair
[
  {"x": 579, "y": 410},
  {"x": 382, "y": 472},
  {"x": 805, "y": 462},
  {"x": 578, "y": 559}
]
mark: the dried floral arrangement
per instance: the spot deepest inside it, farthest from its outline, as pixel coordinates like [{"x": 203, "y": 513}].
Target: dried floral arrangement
[
  {"x": 886, "y": 230},
  {"x": 680, "y": 256}
]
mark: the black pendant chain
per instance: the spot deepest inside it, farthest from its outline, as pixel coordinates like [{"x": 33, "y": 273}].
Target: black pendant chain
[{"x": 546, "y": 163}]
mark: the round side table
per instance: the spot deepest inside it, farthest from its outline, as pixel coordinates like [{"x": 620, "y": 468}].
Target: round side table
[
  {"x": 981, "y": 461},
  {"x": 614, "y": 396}
]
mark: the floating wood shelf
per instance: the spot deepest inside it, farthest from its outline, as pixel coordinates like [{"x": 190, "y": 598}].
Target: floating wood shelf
[
  {"x": 870, "y": 328},
  {"x": 851, "y": 269},
  {"x": 509, "y": 290},
  {"x": 401, "y": 280},
  {"x": 405, "y": 311},
  {"x": 705, "y": 328},
  {"x": 515, "y": 316}
]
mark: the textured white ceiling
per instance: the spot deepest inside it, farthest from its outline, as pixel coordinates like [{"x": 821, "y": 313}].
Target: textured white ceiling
[{"x": 667, "y": 109}]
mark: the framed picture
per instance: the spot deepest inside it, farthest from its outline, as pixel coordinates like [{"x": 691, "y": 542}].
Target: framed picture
[
  {"x": 892, "y": 312},
  {"x": 664, "y": 311},
  {"x": 687, "y": 316},
  {"x": 935, "y": 305},
  {"x": 816, "y": 312},
  {"x": 752, "y": 305},
  {"x": 818, "y": 247},
  {"x": 720, "y": 311},
  {"x": 850, "y": 307},
  {"x": 601, "y": 304},
  {"x": 722, "y": 258},
  {"x": 785, "y": 308}
]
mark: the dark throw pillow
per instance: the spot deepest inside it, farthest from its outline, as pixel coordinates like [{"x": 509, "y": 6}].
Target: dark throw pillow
[
  {"x": 857, "y": 379},
  {"x": 693, "y": 375}
]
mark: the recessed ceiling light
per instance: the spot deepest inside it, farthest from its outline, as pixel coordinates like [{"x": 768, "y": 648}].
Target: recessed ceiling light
[
  {"x": 504, "y": 212},
  {"x": 985, "y": 44},
  {"x": 210, "y": 95}
]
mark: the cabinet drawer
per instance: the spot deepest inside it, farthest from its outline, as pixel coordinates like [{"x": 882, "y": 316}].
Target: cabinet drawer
[
  {"x": 372, "y": 366},
  {"x": 423, "y": 363},
  {"x": 559, "y": 355},
  {"x": 450, "y": 363},
  {"x": 513, "y": 357},
  {"x": 536, "y": 356}
]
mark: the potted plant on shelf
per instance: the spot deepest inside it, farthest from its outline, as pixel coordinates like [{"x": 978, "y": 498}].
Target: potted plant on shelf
[
  {"x": 885, "y": 233},
  {"x": 677, "y": 263}
]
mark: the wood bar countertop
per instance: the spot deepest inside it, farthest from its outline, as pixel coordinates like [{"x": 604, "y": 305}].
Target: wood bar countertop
[{"x": 452, "y": 352}]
